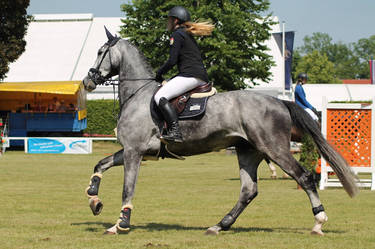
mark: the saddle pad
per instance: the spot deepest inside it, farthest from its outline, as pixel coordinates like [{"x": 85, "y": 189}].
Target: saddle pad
[{"x": 194, "y": 107}]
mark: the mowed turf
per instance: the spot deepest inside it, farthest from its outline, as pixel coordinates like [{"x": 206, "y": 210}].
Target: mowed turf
[{"x": 43, "y": 205}]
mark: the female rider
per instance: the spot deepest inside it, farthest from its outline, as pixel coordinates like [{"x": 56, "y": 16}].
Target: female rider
[{"x": 185, "y": 53}]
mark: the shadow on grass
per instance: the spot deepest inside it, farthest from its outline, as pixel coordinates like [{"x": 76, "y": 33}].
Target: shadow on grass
[
  {"x": 93, "y": 226},
  {"x": 152, "y": 227},
  {"x": 263, "y": 179},
  {"x": 281, "y": 230}
]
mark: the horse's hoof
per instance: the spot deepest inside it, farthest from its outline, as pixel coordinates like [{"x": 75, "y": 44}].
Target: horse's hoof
[
  {"x": 96, "y": 205},
  {"x": 213, "y": 231}
]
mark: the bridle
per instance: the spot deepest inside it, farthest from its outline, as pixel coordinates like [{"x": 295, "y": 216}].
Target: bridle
[
  {"x": 96, "y": 76},
  {"x": 98, "y": 79}
]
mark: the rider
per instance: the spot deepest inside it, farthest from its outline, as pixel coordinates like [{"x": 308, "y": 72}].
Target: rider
[
  {"x": 185, "y": 53},
  {"x": 300, "y": 97}
]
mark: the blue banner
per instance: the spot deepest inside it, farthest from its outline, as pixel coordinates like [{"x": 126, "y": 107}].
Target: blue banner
[{"x": 288, "y": 55}]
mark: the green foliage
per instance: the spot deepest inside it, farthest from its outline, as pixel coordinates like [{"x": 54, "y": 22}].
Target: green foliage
[
  {"x": 317, "y": 42},
  {"x": 364, "y": 49},
  {"x": 309, "y": 154},
  {"x": 350, "y": 60},
  {"x": 233, "y": 53},
  {"x": 318, "y": 68},
  {"x": 101, "y": 117},
  {"x": 13, "y": 26},
  {"x": 341, "y": 55}
]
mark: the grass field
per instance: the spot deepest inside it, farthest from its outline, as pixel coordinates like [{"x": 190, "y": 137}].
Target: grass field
[{"x": 43, "y": 205}]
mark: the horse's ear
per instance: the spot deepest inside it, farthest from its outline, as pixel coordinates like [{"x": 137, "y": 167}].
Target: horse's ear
[{"x": 109, "y": 35}]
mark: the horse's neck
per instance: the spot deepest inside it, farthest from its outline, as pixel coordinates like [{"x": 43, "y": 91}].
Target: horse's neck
[{"x": 134, "y": 74}]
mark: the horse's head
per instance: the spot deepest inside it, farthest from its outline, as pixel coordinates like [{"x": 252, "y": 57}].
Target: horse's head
[{"x": 105, "y": 64}]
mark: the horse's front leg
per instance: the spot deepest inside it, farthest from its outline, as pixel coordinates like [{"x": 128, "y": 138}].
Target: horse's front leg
[
  {"x": 92, "y": 190},
  {"x": 132, "y": 162}
]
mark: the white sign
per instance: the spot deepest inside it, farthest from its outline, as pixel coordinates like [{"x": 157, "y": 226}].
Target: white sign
[{"x": 59, "y": 145}]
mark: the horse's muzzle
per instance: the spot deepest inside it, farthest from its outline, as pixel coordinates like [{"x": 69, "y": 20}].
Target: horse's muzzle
[{"x": 88, "y": 84}]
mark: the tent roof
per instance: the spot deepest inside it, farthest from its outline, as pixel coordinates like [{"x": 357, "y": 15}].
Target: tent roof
[
  {"x": 61, "y": 47},
  {"x": 54, "y": 87}
]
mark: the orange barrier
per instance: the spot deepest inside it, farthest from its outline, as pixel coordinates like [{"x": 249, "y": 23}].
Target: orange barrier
[
  {"x": 348, "y": 127},
  {"x": 349, "y": 131}
]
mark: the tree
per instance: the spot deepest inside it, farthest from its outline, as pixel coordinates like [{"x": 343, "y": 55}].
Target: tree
[
  {"x": 233, "y": 53},
  {"x": 13, "y": 26},
  {"x": 317, "y": 42},
  {"x": 341, "y": 55},
  {"x": 364, "y": 49},
  {"x": 318, "y": 68}
]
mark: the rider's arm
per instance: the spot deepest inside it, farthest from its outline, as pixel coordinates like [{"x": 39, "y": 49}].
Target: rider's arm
[{"x": 175, "y": 47}]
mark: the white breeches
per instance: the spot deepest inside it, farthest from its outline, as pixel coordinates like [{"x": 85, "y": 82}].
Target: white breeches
[
  {"x": 177, "y": 86},
  {"x": 312, "y": 114}
]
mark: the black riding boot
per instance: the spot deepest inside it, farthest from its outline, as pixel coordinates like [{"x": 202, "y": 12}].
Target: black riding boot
[{"x": 170, "y": 116}]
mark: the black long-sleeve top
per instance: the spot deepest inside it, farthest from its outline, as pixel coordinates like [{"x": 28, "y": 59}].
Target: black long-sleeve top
[{"x": 185, "y": 53}]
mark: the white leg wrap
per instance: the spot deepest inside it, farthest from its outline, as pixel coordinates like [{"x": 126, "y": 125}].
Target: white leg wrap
[{"x": 320, "y": 219}]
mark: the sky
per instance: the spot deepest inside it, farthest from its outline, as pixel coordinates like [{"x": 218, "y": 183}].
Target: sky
[{"x": 345, "y": 21}]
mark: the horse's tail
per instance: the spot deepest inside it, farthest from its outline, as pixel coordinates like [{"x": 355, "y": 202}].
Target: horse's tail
[{"x": 302, "y": 120}]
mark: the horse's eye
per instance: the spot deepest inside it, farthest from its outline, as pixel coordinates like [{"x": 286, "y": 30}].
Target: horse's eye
[{"x": 99, "y": 53}]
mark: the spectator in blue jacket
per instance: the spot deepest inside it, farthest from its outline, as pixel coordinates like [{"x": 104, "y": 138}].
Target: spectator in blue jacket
[{"x": 300, "y": 97}]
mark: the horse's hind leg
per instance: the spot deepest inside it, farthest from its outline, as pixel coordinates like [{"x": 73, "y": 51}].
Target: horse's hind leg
[
  {"x": 305, "y": 179},
  {"x": 92, "y": 190},
  {"x": 248, "y": 162}
]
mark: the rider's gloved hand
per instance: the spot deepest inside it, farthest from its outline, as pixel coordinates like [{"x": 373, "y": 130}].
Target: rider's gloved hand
[
  {"x": 318, "y": 114},
  {"x": 159, "y": 78}
]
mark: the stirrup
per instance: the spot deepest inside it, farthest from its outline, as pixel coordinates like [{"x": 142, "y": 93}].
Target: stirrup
[{"x": 171, "y": 138}]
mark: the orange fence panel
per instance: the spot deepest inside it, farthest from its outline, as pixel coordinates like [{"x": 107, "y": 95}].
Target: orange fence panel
[{"x": 349, "y": 131}]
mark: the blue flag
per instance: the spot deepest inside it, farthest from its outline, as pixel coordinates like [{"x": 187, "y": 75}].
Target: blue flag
[{"x": 288, "y": 56}]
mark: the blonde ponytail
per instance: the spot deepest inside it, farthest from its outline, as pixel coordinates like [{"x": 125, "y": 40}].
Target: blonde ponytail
[{"x": 199, "y": 28}]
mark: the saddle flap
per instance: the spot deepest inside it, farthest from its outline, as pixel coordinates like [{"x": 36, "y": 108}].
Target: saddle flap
[{"x": 179, "y": 102}]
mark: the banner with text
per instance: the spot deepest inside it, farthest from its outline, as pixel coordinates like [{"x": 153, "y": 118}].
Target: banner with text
[{"x": 59, "y": 145}]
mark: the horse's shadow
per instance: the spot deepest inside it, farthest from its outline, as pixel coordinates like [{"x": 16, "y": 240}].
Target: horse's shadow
[{"x": 152, "y": 227}]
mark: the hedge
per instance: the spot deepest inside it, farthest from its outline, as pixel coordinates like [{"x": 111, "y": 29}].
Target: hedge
[{"x": 101, "y": 117}]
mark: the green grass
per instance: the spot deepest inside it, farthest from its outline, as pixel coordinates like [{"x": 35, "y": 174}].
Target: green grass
[{"x": 43, "y": 205}]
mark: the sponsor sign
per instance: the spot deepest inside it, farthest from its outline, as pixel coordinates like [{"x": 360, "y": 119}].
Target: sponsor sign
[{"x": 59, "y": 145}]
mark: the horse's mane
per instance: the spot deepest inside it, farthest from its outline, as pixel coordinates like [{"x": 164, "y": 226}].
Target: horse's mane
[{"x": 141, "y": 55}]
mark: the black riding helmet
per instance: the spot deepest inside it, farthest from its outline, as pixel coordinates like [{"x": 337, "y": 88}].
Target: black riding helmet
[
  {"x": 180, "y": 13},
  {"x": 302, "y": 76}
]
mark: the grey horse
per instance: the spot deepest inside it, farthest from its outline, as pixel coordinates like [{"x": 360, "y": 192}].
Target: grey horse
[{"x": 258, "y": 126}]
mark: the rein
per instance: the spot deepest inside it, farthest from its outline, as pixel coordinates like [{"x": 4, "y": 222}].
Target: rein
[{"x": 131, "y": 95}]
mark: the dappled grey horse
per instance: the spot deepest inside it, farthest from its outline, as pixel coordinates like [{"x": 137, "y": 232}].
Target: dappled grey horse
[{"x": 258, "y": 126}]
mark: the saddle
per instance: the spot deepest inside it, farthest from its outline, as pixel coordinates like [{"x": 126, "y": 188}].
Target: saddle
[{"x": 203, "y": 91}]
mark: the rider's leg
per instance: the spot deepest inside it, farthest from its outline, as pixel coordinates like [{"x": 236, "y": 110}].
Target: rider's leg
[
  {"x": 177, "y": 86},
  {"x": 172, "y": 89},
  {"x": 171, "y": 118}
]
